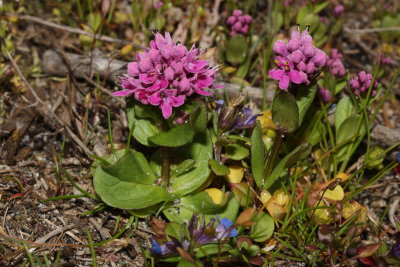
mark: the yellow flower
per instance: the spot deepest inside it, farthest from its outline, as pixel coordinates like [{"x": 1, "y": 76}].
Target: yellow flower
[
  {"x": 235, "y": 174},
  {"x": 215, "y": 194},
  {"x": 277, "y": 205}
]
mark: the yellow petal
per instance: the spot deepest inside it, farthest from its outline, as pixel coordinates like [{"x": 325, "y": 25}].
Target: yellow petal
[
  {"x": 235, "y": 174},
  {"x": 126, "y": 49},
  {"x": 265, "y": 196},
  {"x": 215, "y": 194},
  {"x": 334, "y": 195},
  {"x": 342, "y": 176}
]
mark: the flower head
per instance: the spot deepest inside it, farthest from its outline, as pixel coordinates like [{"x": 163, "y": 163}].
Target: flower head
[
  {"x": 158, "y": 4},
  {"x": 325, "y": 94},
  {"x": 297, "y": 60},
  {"x": 166, "y": 74},
  {"x": 239, "y": 23},
  {"x": 338, "y": 10},
  {"x": 335, "y": 64},
  {"x": 361, "y": 83}
]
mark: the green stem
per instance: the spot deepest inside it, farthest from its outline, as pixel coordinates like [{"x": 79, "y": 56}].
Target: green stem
[
  {"x": 165, "y": 166},
  {"x": 276, "y": 147}
]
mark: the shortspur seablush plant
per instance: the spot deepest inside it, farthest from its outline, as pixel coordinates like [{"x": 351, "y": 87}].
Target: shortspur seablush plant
[{"x": 232, "y": 181}]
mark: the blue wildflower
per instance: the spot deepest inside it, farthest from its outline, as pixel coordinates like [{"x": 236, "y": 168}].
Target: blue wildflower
[
  {"x": 225, "y": 228},
  {"x": 245, "y": 119},
  {"x": 398, "y": 157},
  {"x": 158, "y": 250}
]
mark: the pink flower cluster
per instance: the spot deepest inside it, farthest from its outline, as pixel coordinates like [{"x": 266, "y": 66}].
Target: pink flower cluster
[
  {"x": 362, "y": 82},
  {"x": 166, "y": 74},
  {"x": 158, "y": 4},
  {"x": 335, "y": 64},
  {"x": 338, "y": 10},
  {"x": 325, "y": 94},
  {"x": 297, "y": 61},
  {"x": 239, "y": 23}
]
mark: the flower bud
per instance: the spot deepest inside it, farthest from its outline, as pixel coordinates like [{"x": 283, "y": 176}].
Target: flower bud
[
  {"x": 277, "y": 205},
  {"x": 280, "y": 48},
  {"x": 265, "y": 196},
  {"x": 215, "y": 194},
  {"x": 235, "y": 174}
]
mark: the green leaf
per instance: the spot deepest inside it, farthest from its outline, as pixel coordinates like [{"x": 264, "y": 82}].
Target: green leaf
[
  {"x": 236, "y": 151},
  {"x": 318, "y": 8},
  {"x": 340, "y": 85},
  {"x": 147, "y": 112},
  {"x": 258, "y": 155},
  {"x": 199, "y": 118},
  {"x": 343, "y": 111},
  {"x": 144, "y": 129},
  {"x": 218, "y": 168},
  {"x": 201, "y": 151},
  {"x": 244, "y": 68},
  {"x": 211, "y": 249},
  {"x": 263, "y": 228},
  {"x": 299, "y": 153},
  {"x": 174, "y": 229},
  {"x": 176, "y": 136},
  {"x": 183, "y": 211},
  {"x": 183, "y": 167},
  {"x": 348, "y": 130},
  {"x": 237, "y": 49},
  {"x": 126, "y": 194},
  {"x": 317, "y": 132},
  {"x": 130, "y": 111},
  {"x": 304, "y": 98},
  {"x": 285, "y": 112},
  {"x": 133, "y": 167}
]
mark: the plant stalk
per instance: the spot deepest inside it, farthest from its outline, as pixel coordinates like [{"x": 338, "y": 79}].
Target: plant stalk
[
  {"x": 165, "y": 170},
  {"x": 276, "y": 147}
]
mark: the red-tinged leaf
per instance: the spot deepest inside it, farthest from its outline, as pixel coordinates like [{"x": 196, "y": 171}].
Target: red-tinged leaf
[
  {"x": 244, "y": 239},
  {"x": 186, "y": 256},
  {"x": 245, "y": 218},
  {"x": 368, "y": 250},
  {"x": 369, "y": 261},
  {"x": 257, "y": 260},
  {"x": 16, "y": 196},
  {"x": 397, "y": 170}
]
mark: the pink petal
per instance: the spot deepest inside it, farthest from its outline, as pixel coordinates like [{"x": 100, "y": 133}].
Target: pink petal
[
  {"x": 154, "y": 99},
  {"x": 166, "y": 109},
  {"x": 202, "y": 92},
  {"x": 177, "y": 101},
  {"x": 133, "y": 69},
  {"x": 197, "y": 65},
  {"x": 146, "y": 79},
  {"x": 124, "y": 93},
  {"x": 169, "y": 73},
  {"x": 295, "y": 77},
  {"x": 295, "y": 35},
  {"x": 276, "y": 74},
  {"x": 284, "y": 82}
]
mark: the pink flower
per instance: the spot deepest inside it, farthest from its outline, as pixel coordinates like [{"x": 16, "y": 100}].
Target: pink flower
[
  {"x": 338, "y": 10},
  {"x": 335, "y": 65},
  {"x": 285, "y": 73},
  {"x": 297, "y": 60},
  {"x": 239, "y": 23},
  {"x": 157, "y": 5},
  {"x": 166, "y": 74},
  {"x": 325, "y": 94},
  {"x": 362, "y": 82}
]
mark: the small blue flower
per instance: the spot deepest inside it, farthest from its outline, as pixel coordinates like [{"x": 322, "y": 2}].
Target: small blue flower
[
  {"x": 225, "y": 228},
  {"x": 398, "y": 156},
  {"x": 158, "y": 250},
  {"x": 245, "y": 119}
]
